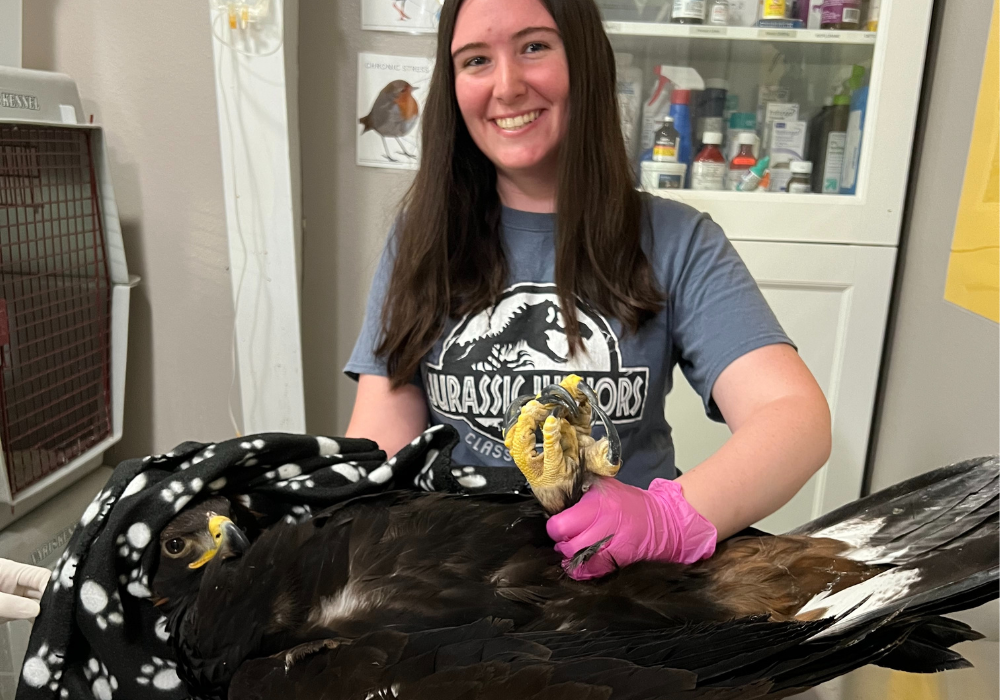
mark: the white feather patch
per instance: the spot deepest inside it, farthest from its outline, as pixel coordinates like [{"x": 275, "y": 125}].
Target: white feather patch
[
  {"x": 856, "y": 532},
  {"x": 859, "y": 600}
]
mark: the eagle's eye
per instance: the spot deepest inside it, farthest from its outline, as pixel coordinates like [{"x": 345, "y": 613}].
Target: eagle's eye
[{"x": 175, "y": 547}]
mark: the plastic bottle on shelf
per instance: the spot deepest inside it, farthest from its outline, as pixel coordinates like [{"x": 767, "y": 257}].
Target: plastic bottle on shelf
[
  {"x": 709, "y": 109},
  {"x": 742, "y": 13},
  {"x": 680, "y": 110},
  {"x": 740, "y": 123},
  {"x": 653, "y": 111},
  {"x": 772, "y": 9},
  {"x": 718, "y": 13},
  {"x": 800, "y": 182},
  {"x": 741, "y": 163},
  {"x": 688, "y": 12},
  {"x": 629, "y": 91},
  {"x": 855, "y": 131},
  {"x": 873, "y": 11},
  {"x": 830, "y": 140},
  {"x": 708, "y": 171},
  {"x": 841, "y": 14},
  {"x": 755, "y": 176},
  {"x": 666, "y": 143}
]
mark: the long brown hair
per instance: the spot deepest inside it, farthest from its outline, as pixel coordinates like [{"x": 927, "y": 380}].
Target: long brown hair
[{"x": 450, "y": 258}]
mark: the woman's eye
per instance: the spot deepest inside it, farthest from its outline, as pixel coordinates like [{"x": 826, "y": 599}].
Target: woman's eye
[
  {"x": 535, "y": 47},
  {"x": 175, "y": 546},
  {"x": 474, "y": 62}
]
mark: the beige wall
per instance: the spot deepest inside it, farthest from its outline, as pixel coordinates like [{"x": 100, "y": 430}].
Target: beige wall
[
  {"x": 940, "y": 401},
  {"x": 347, "y": 209},
  {"x": 145, "y": 72}
]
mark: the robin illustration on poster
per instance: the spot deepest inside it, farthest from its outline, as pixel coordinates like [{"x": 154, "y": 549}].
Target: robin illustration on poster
[
  {"x": 416, "y": 16},
  {"x": 391, "y": 94}
]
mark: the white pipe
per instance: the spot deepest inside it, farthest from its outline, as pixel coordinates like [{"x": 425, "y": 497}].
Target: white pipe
[{"x": 10, "y": 33}]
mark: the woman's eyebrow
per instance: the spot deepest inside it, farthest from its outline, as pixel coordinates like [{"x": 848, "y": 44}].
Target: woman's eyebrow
[{"x": 517, "y": 35}]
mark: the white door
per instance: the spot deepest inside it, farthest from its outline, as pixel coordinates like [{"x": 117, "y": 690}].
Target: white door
[{"x": 832, "y": 300}]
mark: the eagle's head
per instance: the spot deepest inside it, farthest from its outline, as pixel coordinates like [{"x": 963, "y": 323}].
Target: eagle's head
[{"x": 204, "y": 534}]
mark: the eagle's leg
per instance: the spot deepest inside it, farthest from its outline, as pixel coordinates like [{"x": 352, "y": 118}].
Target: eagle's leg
[
  {"x": 570, "y": 458},
  {"x": 297, "y": 653}
]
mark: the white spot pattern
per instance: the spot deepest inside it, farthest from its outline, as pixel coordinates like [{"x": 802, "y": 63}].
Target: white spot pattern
[
  {"x": 381, "y": 475},
  {"x": 161, "y": 673},
  {"x": 137, "y": 484},
  {"x": 328, "y": 447}
]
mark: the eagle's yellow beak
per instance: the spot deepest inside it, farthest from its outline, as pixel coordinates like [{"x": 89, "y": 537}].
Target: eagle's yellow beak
[{"x": 216, "y": 527}]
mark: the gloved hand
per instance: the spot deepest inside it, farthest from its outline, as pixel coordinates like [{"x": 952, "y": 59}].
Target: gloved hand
[
  {"x": 657, "y": 524},
  {"x": 21, "y": 587}
]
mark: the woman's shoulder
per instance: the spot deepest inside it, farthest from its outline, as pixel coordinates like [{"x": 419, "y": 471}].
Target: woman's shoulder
[
  {"x": 668, "y": 216},
  {"x": 672, "y": 227}
]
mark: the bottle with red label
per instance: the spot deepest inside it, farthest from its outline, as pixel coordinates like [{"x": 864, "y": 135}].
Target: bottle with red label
[
  {"x": 708, "y": 172},
  {"x": 742, "y": 162}
]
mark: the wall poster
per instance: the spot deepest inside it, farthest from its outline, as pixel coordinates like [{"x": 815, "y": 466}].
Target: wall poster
[
  {"x": 391, "y": 95},
  {"x": 415, "y": 16}
]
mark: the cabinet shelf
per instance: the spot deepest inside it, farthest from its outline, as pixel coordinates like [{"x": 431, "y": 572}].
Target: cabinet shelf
[
  {"x": 701, "y": 199},
  {"x": 700, "y": 31}
]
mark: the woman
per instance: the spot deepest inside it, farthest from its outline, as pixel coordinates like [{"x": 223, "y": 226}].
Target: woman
[{"x": 485, "y": 293}]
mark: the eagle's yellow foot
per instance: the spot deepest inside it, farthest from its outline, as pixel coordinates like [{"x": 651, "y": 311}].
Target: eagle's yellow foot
[{"x": 570, "y": 457}]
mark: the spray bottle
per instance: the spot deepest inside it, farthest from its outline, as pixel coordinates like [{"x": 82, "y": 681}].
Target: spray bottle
[{"x": 669, "y": 79}]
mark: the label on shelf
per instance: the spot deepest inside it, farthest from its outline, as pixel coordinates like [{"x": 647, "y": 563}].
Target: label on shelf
[
  {"x": 776, "y": 33},
  {"x": 613, "y": 27},
  {"x": 708, "y": 31}
]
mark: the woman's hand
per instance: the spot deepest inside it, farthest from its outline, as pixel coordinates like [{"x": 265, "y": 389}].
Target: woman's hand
[
  {"x": 643, "y": 525},
  {"x": 21, "y": 587}
]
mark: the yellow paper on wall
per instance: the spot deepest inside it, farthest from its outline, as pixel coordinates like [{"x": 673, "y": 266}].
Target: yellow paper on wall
[
  {"x": 974, "y": 267},
  {"x": 913, "y": 686}
]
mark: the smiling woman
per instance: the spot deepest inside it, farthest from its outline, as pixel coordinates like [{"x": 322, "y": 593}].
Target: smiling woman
[
  {"x": 512, "y": 87},
  {"x": 524, "y": 254}
]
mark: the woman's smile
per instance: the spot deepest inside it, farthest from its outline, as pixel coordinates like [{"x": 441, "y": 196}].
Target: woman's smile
[{"x": 518, "y": 124}]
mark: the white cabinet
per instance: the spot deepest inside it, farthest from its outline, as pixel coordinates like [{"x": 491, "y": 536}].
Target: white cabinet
[
  {"x": 824, "y": 262},
  {"x": 832, "y": 300}
]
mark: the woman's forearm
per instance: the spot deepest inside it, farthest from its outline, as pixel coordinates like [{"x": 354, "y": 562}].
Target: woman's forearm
[{"x": 763, "y": 464}]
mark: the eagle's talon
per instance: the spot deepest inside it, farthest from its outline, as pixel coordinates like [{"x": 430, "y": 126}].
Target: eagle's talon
[
  {"x": 513, "y": 412},
  {"x": 614, "y": 440},
  {"x": 555, "y": 394}
]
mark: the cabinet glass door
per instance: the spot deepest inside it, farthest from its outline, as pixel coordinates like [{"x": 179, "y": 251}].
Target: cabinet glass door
[{"x": 829, "y": 104}]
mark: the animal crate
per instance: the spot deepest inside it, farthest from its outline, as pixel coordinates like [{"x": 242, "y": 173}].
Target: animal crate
[{"x": 64, "y": 307}]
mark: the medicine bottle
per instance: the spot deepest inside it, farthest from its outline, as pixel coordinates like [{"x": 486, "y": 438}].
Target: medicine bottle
[
  {"x": 800, "y": 182},
  {"x": 708, "y": 172}
]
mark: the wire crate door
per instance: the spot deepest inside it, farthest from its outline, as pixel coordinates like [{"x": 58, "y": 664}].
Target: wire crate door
[{"x": 55, "y": 314}]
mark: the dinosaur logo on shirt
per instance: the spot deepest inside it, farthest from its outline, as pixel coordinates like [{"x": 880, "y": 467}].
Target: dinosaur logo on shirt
[{"x": 518, "y": 346}]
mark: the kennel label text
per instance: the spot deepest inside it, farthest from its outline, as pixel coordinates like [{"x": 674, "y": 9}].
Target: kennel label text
[{"x": 13, "y": 100}]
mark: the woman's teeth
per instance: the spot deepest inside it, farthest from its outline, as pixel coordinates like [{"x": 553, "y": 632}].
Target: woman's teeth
[{"x": 517, "y": 122}]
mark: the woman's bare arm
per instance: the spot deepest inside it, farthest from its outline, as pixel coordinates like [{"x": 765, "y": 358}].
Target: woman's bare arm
[{"x": 392, "y": 418}]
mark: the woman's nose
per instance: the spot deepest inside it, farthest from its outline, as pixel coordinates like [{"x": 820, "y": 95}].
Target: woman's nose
[{"x": 509, "y": 85}]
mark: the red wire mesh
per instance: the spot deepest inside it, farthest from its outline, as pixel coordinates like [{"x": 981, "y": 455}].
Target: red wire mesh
[{"x": 55, "y": 315}]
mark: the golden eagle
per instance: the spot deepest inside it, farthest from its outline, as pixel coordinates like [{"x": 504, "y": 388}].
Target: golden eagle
[{"x": 435, "y": 596}]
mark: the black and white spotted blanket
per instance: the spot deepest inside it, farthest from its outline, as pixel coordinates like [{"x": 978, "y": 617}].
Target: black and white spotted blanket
[{"x": 100, "y": 636}]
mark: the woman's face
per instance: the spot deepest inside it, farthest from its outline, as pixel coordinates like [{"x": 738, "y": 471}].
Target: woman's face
[{"x": 512, "y": 82}]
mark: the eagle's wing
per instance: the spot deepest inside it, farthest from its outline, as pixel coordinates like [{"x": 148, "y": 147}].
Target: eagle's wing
[{"x": 481, "y": 661}]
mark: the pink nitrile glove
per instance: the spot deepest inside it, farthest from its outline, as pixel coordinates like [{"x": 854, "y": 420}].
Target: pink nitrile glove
[{"x": 657, "y": 524}]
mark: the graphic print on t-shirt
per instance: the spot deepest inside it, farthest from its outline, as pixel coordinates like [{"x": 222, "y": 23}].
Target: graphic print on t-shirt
[{"x": 517, "y": 347}]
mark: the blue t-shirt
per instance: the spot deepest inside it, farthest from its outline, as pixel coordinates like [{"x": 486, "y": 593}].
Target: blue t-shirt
[{"x": 714, "y": 313}]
